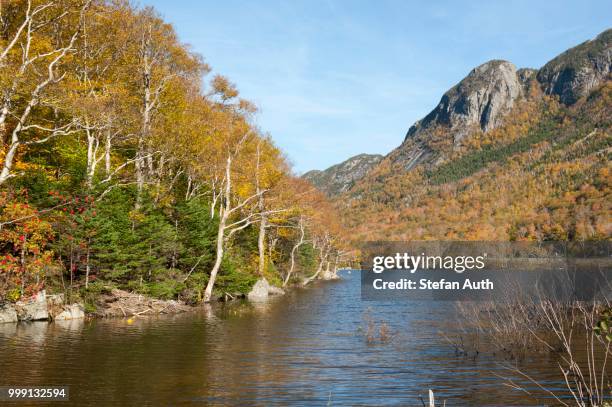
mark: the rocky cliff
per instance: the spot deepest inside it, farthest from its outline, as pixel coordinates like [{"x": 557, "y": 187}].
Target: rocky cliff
[
  {"x": 488, "y": 92},
  {"x": 479, "y": 102},
  {"x": 480, "y": 99},
  {"x": 341, "y": 177},
  {"x": 575, "y": 72}
]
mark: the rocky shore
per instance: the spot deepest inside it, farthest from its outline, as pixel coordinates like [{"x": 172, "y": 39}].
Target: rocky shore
[
  {"x": 119, "y": 303},
  {"x": 41, "y": 307}
]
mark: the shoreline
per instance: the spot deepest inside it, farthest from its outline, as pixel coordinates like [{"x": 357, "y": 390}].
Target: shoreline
[{"x": 117, "y": 303}]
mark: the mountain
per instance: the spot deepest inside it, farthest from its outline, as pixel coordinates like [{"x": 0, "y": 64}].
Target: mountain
[
  {"x": 544, "y": 174},
  {"x": 507, "y": 154},
  {"x": 341, "y": 177},
  {"x": 479, "y": 101},
  {"x": 577, "y": 71},
  {"x": 483, "y": 98}
]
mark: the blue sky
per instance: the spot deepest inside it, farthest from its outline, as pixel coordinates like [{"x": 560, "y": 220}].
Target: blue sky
[{"x": 337, "y": 78}]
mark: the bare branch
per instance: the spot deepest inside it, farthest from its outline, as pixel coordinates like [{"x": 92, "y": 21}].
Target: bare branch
[
  {"x": 125, "y": 164},
  {"x": 246, "y": 201}
]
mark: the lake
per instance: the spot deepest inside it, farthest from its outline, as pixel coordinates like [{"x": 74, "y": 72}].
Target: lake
[{"x": 308, "y": 347}]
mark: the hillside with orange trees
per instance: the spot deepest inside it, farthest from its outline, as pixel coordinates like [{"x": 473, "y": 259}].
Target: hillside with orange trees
[{"x": 544, "y": 174}]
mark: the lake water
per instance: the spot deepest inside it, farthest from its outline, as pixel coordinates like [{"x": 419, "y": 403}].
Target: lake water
[{"x": 306, "y": 348}]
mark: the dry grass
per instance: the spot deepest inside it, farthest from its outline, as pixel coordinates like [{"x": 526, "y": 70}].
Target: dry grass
[
  {"x": 568, "y": 330},
  {"x": 376, "y": 332}
]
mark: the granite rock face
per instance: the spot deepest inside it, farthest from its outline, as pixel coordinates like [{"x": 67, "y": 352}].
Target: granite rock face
[
  {"x": 480, "y": 99},
  {"x": 577, "y": 71},
  {"x": 480, "y": 102},
  {"x": 341, "y": 177}
]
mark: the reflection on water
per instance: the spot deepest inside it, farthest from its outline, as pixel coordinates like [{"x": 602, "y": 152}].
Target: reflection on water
[{"x": 306, "y": 348}]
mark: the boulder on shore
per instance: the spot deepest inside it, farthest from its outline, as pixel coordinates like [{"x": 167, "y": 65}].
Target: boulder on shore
[
  {"x": 41, "y": 307},
  {"x": 34, "y": 309},
  {"x": 7, "y": 314},
  {"x": 60, "y": 311},
  {"x": 329, "y": 275},
  {"x": 262, "y": 290},
  {"x": 73, "y": 311}
]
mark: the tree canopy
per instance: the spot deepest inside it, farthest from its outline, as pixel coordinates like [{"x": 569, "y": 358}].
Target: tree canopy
[{"x": 122, "y": 166}]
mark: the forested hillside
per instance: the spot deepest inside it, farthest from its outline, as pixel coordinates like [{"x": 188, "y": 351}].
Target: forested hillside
[
  {"x": 122, "y": 168},
  {"x": 507, "y": 154},
  {"x": 543, "y": 174}
]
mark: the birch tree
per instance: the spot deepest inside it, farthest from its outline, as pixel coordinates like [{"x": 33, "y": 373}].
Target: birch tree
[
  {"x": 324, "y": 245},
  {"x": 301, "y": 228},
  {"x": 161, "y": 58},
  {"x": 99, "y": 94},
  {"x": 268, "y": 172},
  {"x": 32, "y": 65},
  {"x": 231, "y": 204}
]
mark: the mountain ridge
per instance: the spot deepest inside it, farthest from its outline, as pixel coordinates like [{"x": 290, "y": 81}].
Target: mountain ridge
[
  {"x": 341, "y": 177},
  {"x": 481, "y": 101}
]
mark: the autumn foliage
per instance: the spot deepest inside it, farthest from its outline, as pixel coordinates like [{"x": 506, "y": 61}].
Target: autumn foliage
[
  {"x": 121, "y": 165},
  {"x": 543, "y": 175}
]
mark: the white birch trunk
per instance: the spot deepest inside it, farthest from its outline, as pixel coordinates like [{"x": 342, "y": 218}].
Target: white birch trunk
[
  {"x": 219, "y": 257},
  {"x": 224, "y": 214},
  {"x": 145, "y": 126},
  {"x": 294, "y": 251},
  {"x": 107, "y": 153}
]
